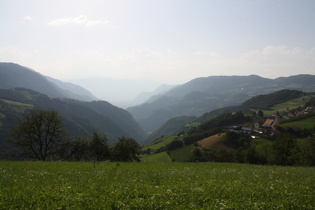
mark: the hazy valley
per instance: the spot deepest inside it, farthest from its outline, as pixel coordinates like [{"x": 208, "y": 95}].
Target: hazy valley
[{"x": 164, "y": 112}]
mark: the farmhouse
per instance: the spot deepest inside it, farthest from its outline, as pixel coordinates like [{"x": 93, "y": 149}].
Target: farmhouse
[
  {"x": 268, "y": 123},
  {"x": 271, "y": 123}
]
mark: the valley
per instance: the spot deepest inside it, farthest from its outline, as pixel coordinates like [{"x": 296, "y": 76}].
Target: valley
[
  {"x": 183, "y": 119},
  {"x": 157, "y": 105}
]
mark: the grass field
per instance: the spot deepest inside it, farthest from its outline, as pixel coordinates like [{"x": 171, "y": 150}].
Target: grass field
[
  {"x": 161, "y": 157},
  {"x": 14, "y": 103},
  {"x": 78, "y": 185},
  {"x": 291, "y": 104},
  {"x": 303, "y": 123},
  {"x": 17, "y": 106},
  {"x": 182, "y": 154},
  {"x": 158, "y": 143},
  {"x": 213, "y": 142}
]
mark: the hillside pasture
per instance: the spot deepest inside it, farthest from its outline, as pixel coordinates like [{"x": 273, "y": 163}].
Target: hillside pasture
[
  {"x": 108, "y": 185},
  {"x": 158, "y": 143},
  {"x": 161, "y": 157},
  {"x": 183, "y": 154},
  {"x": 288, "y": 105},
  {"x": 307, "y": 123},
  {"x": 213, "y": 142},
  {"x": 17, "y": 105}
]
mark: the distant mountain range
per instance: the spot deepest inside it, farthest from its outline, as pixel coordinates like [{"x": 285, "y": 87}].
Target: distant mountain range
[
  {"x": 13, "y": 76},
  {"x": 202, "y": 95}
]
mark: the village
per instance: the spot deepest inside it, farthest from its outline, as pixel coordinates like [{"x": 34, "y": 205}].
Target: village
[{"x": 269, "y": 126}]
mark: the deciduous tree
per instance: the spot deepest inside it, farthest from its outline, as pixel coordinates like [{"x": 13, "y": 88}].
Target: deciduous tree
[
  {"x": 99, "y": 149},
  {"x": 38, "y": 135},
  {"x": 126, "y": 150}
]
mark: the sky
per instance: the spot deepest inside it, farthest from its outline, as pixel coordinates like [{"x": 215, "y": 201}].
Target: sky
[{"x": 170, "y": 41}]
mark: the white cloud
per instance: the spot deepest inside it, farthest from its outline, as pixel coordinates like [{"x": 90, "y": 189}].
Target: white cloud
[
  {"x": 28, "y": 17},
  {"x": 80, "y": 20}
]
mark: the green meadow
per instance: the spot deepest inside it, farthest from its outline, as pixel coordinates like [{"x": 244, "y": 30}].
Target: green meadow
[
  {"x": 18, "y": 104},
  {"x": 307, "y": 123},
  {"x": 109, "y": 185},
  {"x": 158, "y": 143},
  {"x": 291, "y": 104}
]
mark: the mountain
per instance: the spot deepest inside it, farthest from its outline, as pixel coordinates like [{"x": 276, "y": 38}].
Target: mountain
[
  {"x": 216, "y": 117},
  {"x": 13, "y": 76},
  {"x": 202, "y": 95},
  {"x": 73, "y": 91},
  {"x": 239, "y": 134},
  {"x": 80, "y": 118},
  {"x": 172, "y": 126}
]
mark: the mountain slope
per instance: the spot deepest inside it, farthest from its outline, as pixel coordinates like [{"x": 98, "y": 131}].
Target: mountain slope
[
  {"x": 119, "y": 116},
  {"x": 73, "y": 91},
  {"x": 205, "y": 94},
  {"x": 262, "y": 102},
  {"x": 13, "y": 76},
  {"x": 172, "y": 126},
  {"x": 80, "y": 118}
]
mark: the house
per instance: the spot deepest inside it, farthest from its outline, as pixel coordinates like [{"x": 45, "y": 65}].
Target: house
[
  {"x": 268, "y": 123},
  {"x": 271, "y": 123}
]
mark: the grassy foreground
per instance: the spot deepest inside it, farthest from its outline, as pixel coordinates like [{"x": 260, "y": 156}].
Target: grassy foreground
[{"x": 78, "y": 185}]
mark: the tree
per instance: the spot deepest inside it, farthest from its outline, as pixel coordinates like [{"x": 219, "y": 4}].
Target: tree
[
  {"x": 285, "y": 148},
  {"x": 76, "y": 149},
  {"x": 99, "y": 149},
  {"x": 126, "y": 150},
  {"x": 39, "y": 134},
  {"x": 174, "y": 144},
  {"x": 86, "y": 148},
  {"x": 260, "y": 113},
  {"x": 231, "y": 138},
  {"x": 197, "y": 154}
]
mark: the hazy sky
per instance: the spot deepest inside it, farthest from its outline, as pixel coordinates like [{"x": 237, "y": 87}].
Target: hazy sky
[{"x": 171, "y": 41}]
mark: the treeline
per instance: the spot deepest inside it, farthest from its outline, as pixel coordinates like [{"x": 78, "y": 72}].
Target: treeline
[
  {"x": 285, "y": 149},
  {"x": 97, "y": 149},
  {"x": 40, "y": 135}
]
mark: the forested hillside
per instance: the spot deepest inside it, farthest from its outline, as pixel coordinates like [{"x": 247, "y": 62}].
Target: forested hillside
[
  {"x": 202, "y": 95},
  {"x": 262, "y": 101},
  {"x": 80, "y": 118},
  {"x": 247, "y": 133}
]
